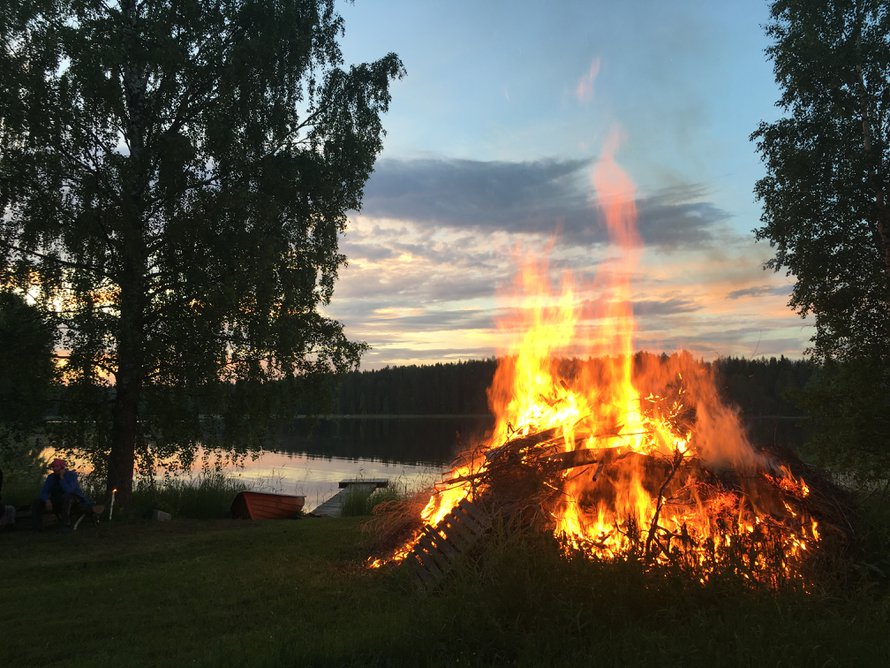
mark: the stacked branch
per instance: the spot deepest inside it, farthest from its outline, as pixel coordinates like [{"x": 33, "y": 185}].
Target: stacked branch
[{"x": 525, "y": 478}]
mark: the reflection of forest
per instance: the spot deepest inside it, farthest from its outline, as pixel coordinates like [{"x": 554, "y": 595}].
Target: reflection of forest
[
  {"x": 408, "y": 440},
  {"x": 399, "y": 398}
]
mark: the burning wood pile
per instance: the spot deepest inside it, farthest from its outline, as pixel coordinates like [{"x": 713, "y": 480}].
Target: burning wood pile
[
  {"x": 677, "y": 485},
  {"x": 621, "y": 456}
]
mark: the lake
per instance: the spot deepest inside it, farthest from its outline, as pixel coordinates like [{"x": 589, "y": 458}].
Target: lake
[{"x": 311, "y": 456}]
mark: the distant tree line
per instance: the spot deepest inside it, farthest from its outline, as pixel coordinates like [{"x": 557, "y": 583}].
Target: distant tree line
[
  {"x": 758, "y": 387},
  {"x": 764, "y": 387},
  {"x": 438, "y": 389}
]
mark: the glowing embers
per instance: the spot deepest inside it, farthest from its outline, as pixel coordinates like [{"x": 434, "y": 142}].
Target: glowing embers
[{"x": 678, "y": 512}]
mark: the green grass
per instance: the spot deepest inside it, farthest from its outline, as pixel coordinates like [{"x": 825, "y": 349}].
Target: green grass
[
  {"x": 237, "y": 593},
  {"x": 222, "y": 592}
]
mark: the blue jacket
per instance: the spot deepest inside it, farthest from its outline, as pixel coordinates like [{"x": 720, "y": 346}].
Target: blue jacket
[{"x": 64, "y": 484}]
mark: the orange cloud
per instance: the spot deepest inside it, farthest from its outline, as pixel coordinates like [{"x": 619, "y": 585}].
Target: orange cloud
[{"x": 584, "y": 87}]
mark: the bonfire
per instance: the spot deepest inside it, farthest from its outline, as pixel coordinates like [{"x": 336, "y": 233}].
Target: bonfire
[{"x": 617, "y": 455}]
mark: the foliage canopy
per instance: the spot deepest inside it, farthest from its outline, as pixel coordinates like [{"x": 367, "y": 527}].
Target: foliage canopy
[
  {"x": 825, "y": 195},
  {"x": 826, "y": 199},
  {"x": 174, "y": 176},
  {"x": 26, "y": 371}
]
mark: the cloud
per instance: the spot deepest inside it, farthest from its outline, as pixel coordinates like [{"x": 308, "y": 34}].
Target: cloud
[
  {"x": 434, "y": 319},
  {"x": 393, "y": 355},
  {"x": 392, "y": 267},
  {"x": 540, "y": 197},
  {"x": 584, "y": 87},
  {"x": 654, "y": 307},
  {"x": 677, "y": 217},
  {"x": 526, "y": 196},
  {"x": 722, "y": 327},
  {"x": 760, "y": 291},
  {"x": 434, "y": 255}
]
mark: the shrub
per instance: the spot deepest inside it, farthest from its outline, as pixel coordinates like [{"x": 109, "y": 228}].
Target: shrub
[{"x": 849, "y": 405}]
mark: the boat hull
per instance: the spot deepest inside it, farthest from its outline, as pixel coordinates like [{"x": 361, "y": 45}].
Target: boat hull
[{"x": 264, "y": 506}]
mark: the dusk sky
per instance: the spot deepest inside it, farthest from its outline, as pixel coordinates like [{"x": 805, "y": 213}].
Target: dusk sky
[{"x": 491, "y": 139}]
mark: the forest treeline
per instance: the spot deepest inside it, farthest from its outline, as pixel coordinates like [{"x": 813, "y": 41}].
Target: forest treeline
[{"x": 758, "y": 387}]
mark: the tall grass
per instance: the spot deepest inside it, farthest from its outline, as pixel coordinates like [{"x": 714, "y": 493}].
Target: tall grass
[
  {"x": 21, "y": 486},
  {"x": 359, "y": 501},
  {"x": 206, "y": 496}
]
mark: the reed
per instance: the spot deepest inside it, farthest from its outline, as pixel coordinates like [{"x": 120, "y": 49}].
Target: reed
[
  {"x": 359, "y": 502},
  {"x": 206, "y": 496},
  {"x": 21, "y": 486}
]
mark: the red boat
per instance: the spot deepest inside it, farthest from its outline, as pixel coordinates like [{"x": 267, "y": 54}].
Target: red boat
[{"x": 263, "y": 506}]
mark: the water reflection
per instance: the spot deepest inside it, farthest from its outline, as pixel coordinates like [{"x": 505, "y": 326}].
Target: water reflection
[
  {"x": 311, "y": 456},
  {"x": 316, "y": 478},
  {"x": 424, "y": 440}
]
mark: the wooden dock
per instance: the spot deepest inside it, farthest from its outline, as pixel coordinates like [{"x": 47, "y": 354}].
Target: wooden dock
[
  {"x": 333, "y": 507},
  {"x": 379, "y": 483}
]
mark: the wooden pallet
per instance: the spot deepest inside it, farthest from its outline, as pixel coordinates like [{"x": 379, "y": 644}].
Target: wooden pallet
[{"x": 439, "y": 547}]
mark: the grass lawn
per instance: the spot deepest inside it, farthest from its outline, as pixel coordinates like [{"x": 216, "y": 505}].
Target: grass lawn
[{"x": 294, "y": 593}]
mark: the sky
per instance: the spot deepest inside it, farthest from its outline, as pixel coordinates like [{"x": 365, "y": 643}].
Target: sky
[{"x": 491, "y": 139}]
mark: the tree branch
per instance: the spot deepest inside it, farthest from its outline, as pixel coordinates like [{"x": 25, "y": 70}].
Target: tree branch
[{"x": 57, "y": 260}]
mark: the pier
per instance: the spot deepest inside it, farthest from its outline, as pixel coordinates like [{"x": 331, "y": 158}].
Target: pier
[{"x": 333, "y": 507}]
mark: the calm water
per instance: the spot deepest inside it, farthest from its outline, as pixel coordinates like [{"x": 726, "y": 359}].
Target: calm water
[{"x": 311, "y": 456}]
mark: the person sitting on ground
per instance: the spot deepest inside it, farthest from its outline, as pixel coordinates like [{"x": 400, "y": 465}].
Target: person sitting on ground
[{"x": 59, "y": 493}]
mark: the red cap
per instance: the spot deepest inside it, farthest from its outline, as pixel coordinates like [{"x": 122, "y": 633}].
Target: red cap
[{"x": 57, "y": 464}]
